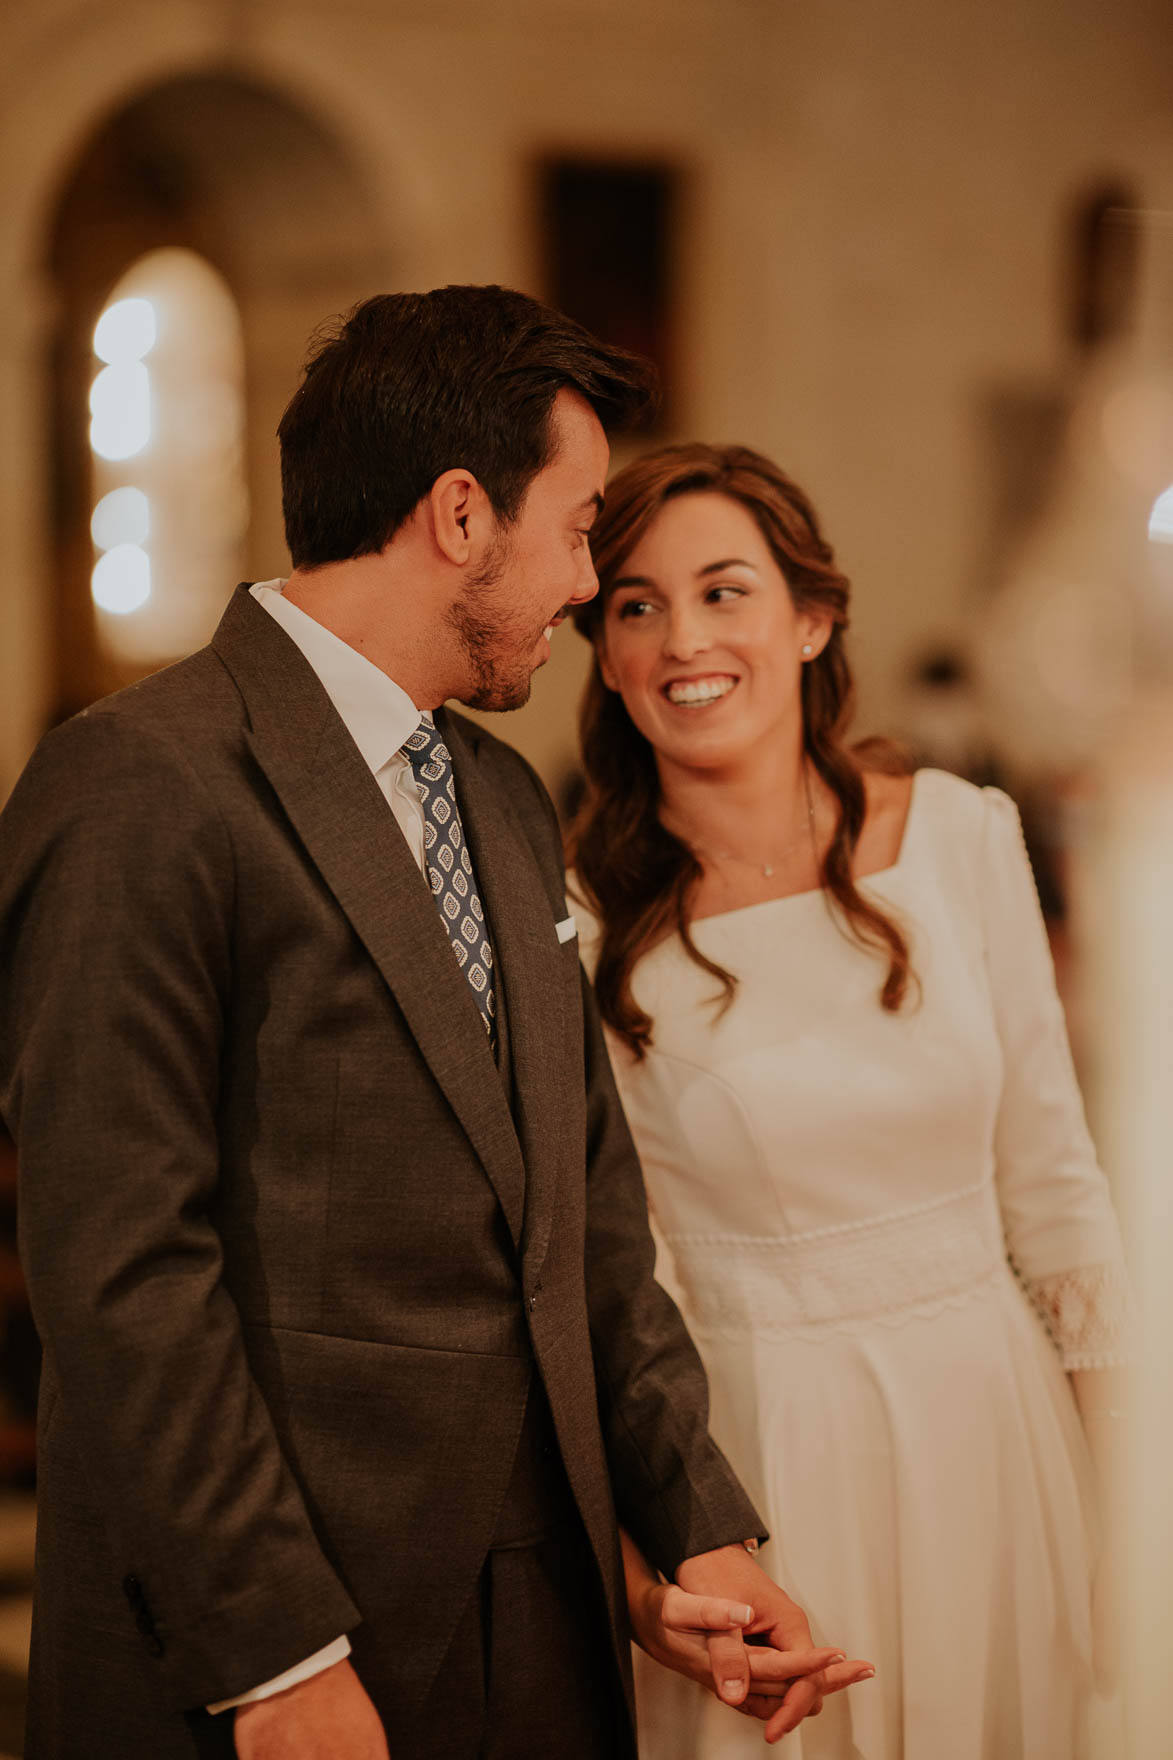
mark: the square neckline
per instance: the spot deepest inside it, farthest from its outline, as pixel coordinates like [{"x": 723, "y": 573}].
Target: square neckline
[{"x": 892, "y": 867}]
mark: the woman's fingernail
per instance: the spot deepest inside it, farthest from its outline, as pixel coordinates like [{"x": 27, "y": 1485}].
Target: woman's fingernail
[
  {"x": 733, "y": 1691},
  {"x": 869, "y": 1674},
  {"x": 839, "y": 1656},
  {"x": 741, "y": 1616}
]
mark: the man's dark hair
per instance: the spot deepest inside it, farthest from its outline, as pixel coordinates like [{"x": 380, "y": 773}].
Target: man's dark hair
[{"x": 411, "y": 385}]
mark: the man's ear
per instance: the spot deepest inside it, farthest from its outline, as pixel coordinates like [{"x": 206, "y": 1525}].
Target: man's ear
[{"x": 458, "y": 510}]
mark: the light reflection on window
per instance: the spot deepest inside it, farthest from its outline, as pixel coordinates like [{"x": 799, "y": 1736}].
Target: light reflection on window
[
  {"x": 125, "y": 332},
  {"x": 1161, "y": 518},
  {"x": 120, "y": 408},
  {"x": 121, "y": 581},
  {"x": 121, "y": 517},
  {"x": 167, "y": 450}
]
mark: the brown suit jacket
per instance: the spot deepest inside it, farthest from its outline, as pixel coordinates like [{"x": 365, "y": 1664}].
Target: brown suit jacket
[{"x": 292, "y": 1252}]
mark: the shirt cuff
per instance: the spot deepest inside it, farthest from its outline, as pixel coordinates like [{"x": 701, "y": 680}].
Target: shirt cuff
[{"x": 301, "y": 1671}]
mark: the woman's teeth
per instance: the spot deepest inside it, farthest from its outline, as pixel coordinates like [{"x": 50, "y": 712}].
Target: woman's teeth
[{"x": 701, "y": 690}]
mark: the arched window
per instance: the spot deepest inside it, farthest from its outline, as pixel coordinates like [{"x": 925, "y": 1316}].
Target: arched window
[
  {"x": 169, "y": 503},
  {"x": 199, "y": 177}
]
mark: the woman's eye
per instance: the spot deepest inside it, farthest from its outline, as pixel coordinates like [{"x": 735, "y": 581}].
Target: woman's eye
[
  {"x": 634, "y": 608},
  {"x": 722, "y": 594}
]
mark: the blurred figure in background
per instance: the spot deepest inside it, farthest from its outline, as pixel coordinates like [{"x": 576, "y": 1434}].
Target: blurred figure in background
[
  {"x": 943, "y": 726},
  {"x": 835, "y": 1028},
  {"x": 941, "y": 718}
]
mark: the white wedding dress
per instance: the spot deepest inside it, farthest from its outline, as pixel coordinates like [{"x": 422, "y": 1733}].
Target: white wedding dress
[{"x": 890, "y": 1238}]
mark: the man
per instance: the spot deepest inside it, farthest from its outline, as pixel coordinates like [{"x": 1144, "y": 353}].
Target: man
[{"x": 333, "y": 1229}]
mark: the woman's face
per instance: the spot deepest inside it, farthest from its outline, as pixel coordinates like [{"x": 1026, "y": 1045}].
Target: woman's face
[{"x": 701, "y": 637}]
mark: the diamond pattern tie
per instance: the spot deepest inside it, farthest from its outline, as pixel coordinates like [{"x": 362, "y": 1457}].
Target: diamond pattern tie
[{"x": 449, "y": 867}]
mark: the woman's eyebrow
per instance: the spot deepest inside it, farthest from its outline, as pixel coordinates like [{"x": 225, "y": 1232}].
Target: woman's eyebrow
[
  {"x": 644, "y": 580},
  {"x": 726, "y": 562}
]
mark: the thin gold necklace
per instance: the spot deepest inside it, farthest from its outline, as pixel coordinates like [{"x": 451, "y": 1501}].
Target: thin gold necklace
[{"x": 767, "y": 868}]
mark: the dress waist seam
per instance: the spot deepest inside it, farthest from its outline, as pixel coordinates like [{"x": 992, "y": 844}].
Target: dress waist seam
[
  {"x": 834, "y": 1229},
  {"x": 916, "y": 1261}
]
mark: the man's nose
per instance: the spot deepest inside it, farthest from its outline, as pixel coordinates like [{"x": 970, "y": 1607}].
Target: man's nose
[{"x": 588, "y": 581}]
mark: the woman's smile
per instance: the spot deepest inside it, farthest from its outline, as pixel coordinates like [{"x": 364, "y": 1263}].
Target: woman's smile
[
  {"x": 702, "y": 638},
  {"x": 699, "y": 693}
]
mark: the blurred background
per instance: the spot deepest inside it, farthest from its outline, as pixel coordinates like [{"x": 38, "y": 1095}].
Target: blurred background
[{"x": 917, "y": 250}]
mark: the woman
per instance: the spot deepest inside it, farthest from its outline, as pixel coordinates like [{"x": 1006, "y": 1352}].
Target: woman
[{"x": 837, "y": 1036}]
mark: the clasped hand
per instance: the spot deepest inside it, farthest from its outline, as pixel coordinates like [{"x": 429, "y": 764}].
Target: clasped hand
[{"x": 693, "y": 1627}]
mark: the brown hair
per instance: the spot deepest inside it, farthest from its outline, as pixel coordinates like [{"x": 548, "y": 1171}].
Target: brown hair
[
  {"x": 409, "y": 385},
  {"x": 637, "y": 877}
]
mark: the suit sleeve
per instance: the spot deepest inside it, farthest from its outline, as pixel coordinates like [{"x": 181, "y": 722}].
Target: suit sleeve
[
  {"x": 674, "y": 1491},
  {"x": 116, "y": 901}
]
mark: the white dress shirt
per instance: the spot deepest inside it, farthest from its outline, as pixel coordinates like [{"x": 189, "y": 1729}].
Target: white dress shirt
[{"x": 378, "y": 716}]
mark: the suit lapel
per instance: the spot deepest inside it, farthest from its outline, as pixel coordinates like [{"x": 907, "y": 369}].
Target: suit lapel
[
  {"x": 342, "y": 818},
  {"x": 530, "y": 967}
]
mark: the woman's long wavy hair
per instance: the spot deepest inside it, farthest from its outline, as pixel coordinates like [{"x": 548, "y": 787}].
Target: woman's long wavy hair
[{"x": 637, "y": 877}]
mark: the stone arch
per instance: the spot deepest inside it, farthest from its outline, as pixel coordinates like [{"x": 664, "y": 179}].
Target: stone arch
[{"x": 228, "y": 165}]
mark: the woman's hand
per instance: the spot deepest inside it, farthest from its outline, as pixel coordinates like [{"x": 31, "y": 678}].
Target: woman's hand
[
  {"x": 701, "y": 1636},
  {"x": 1107, "y": 1401},
  {"x": 1109, "y": 1610},
  {"x": 792, "y": 1665},
  {"x": 696, "y": 1635},
  {"x": 688, "y": 1633}
]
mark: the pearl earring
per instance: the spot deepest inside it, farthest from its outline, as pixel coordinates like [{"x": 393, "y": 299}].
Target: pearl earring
[{"x": 807, "y": 649}]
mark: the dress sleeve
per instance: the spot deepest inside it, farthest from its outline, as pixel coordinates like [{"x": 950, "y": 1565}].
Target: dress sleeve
[{"x": 1061, "y": 1230}]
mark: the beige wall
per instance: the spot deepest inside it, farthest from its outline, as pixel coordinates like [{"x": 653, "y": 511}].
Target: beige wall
[{"x": 873, "y": 224}]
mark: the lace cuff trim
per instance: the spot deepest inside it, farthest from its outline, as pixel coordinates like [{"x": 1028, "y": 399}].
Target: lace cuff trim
[{"x": 1089, "y": 1314}]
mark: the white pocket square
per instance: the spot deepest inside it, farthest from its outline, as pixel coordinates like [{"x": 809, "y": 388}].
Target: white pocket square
[{"x": 566, "y": 930}]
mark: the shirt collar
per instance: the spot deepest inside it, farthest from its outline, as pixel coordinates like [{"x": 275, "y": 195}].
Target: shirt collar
[{"x": 377, "y": 713}]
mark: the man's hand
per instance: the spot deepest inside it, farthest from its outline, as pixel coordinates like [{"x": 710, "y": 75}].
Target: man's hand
[
  {"x": 731, "y": 1574},
  {"x": 328, "y": 1717}
]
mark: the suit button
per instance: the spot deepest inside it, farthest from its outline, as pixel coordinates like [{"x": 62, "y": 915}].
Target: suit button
[
  {"x": 148, "y": 1633},
  {"x": 144, "y": 1619}
]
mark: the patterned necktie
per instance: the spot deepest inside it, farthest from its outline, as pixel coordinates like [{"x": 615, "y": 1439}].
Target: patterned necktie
[{"x": 449, "y": 868}]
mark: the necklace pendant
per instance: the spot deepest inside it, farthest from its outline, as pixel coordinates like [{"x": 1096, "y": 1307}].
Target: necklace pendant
[{"x": 767, "y": 870}]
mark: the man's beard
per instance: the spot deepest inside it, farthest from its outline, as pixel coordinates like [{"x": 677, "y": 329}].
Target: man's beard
[{"x": 498, "y": 656}]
